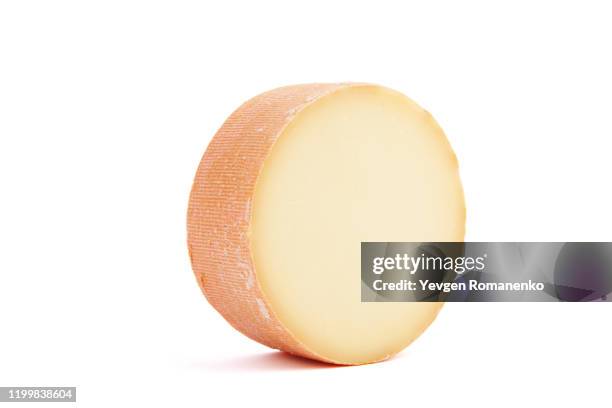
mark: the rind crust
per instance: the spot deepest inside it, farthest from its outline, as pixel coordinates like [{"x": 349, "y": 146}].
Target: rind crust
[{"x": 220, "y": 212}]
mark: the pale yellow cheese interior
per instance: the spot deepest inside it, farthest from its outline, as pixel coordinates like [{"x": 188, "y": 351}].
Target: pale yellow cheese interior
[{"x": 362, "y": 164}]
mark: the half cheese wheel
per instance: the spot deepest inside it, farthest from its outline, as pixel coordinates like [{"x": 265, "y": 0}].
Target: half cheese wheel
[{"x": 289, "y": 187}]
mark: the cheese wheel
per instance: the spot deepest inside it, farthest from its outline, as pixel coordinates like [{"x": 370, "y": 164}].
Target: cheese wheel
[{"x": 287, "y": 190}]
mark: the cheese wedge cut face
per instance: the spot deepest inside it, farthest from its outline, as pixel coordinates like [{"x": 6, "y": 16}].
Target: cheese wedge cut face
[{"x": 290, "y": 186}]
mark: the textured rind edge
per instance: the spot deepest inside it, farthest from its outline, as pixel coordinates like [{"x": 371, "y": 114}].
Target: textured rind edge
[{"x": 219, "y": 214}]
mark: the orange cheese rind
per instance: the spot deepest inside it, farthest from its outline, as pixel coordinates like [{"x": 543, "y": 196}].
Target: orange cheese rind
[{"x": 220, "y": 212}]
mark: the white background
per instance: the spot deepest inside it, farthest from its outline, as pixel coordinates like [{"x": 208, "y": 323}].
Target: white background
[{"x": 106, "y": 108}]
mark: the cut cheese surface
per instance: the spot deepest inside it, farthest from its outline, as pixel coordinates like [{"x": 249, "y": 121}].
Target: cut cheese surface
[{"x": 288, "y": 189}]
